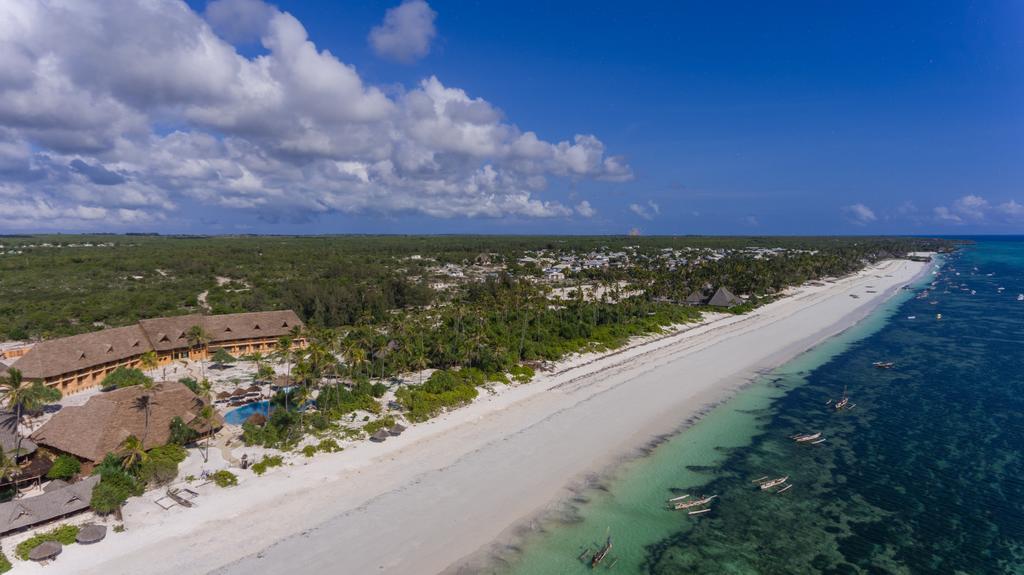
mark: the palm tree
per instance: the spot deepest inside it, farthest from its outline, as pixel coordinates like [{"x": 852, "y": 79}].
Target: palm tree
[
  {"x": 207, "y": 414},
  {"x": 145, "y": 402},
  {"x": 133, "y": 452},
  {"x": 197, "y": 337},
  {"x": 8, "y": 468},
  {"x": 283, "y": 350},
  {"x": 19, "y": 397}
]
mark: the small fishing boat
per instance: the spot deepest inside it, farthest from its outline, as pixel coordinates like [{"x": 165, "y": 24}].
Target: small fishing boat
[
  {"x": 802, "y": 438},
  {"x": 911, "y": 317},
  {"x": 1020, "y": 297},
  {"x": 883, "y": 364},
  {"x": 774, "y": 482},
  {"x": 842, "y": 402},
  {"x": 601, "y": 553},
  {"x": 854, "y": 296},
  {"x": 938, "y": 316},
  {"x": 695, "y": 503}
]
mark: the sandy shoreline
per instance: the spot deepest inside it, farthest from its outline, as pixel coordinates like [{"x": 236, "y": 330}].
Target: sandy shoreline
[{"x": 449, "y": 489}]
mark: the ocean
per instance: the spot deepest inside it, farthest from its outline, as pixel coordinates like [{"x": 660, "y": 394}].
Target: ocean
[{"x": 923, "y": 475}]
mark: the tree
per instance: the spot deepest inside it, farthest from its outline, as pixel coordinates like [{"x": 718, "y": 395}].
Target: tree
[
  {"x": 64, "y": 467},
  {"x": 149, "y": 361},
  {"x": 181, "y": 434},
  {"x": 221, "y": 357},
  {"x": 132, "y": 452},
  {"x": 145, "y": 403},
  {"x": 198, "y": 338},
  {"x": 8, "y": 467},
  {"x": 208, "y": 415},
  {"x": 20, "y": 397},
  {"x": 126, "y": 377}
]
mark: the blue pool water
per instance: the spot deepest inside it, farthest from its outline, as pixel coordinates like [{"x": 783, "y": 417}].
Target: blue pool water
[{"x": 238, "y": 415}]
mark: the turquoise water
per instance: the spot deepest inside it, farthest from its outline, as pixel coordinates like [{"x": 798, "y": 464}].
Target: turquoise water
[
  {"x": 238, "y": 415},
  {"x": 924, "y": 475}
]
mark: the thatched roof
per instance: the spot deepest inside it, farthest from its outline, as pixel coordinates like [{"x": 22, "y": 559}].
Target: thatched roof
[
  {"x": 223, "y": 395},
  {"x": 239, "y": 392},
  {"x": 9, "y": 436},
  {"x": 37, "y": 467},
  {"x": 255, "y": 389},
  {"x": 67, "y": 354},
  {"x": 101, "y": 425},
  {"x": 45, "y": 550},
  {"x": 397, "y": 429},
  {"x": 257, "y": 419},
  {"x": 380, "y": 435},
  {"x": 724, "y": 298},
  {"x": 91, "y": 533},
  {"x": 695, "y": 298},
  {"x": 22, "y": 513}
]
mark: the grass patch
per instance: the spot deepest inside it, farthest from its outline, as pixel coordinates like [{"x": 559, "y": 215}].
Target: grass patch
[{"x": 65, "y": 535}]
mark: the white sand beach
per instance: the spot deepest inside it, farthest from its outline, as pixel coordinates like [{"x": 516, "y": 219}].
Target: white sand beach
[{"x": 448, "y": 489}]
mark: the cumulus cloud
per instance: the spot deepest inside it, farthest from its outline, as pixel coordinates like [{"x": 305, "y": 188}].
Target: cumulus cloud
[
  {"x": 860, "y": 214},
  {"x": 88, "y": 90},
  {"x": 585, "y": 209},
  {"x": 969, "y": 208},
  {"x": 406, "y": 32},
  {"x": 646, "y": 211},
  {"x": 1012, "y": 209}
]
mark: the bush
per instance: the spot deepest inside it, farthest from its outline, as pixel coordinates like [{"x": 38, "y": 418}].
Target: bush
[
  {"x": 115, "y": 486},
  {"x": 309, "y": 450},
  {"x": 268, "y": 461},
  {"x": 125, "y": 377},
  {"x": 225, "y": 478},
  {"x": 65, "y": 535},
  {"x": 521, "y": 373},
  {"x": 383, "y": 423},
  {"x": 444, "y": 390},
  {"x": 191, "y": 383},
  {"x": 64, "y": 467},
  {"x": 162, "y": 464},
  {"x": 328, "y": 446},
  {"x": 5, "y": 563},
  {"x": 181, "y": 434}
]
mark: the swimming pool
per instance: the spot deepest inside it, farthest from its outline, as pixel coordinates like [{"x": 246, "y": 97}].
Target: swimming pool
[{"x": 238, "y": 415}]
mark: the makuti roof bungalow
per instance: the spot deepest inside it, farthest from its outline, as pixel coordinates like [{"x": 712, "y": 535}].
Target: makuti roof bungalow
[
  {"x": 724, "y": 298},
  {"x": 83, "y": 361}
]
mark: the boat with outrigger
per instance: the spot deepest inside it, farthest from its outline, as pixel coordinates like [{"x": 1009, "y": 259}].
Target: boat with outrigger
[
  {"x": 808, "y": 438},
  {"x": 600, "y": 555},
  {"x": 883, "y": 364},
  {"x": 842, "y": 403},
  {"x": 694, "y": 506},
  {"x": 766, "y": 484}
]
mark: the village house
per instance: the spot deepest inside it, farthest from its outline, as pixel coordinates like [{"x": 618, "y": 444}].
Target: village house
[{"x": 81, "y": 362}]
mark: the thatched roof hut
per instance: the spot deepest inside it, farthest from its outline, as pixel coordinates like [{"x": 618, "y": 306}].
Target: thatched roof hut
[
  {"x": 91, "y": 533},
  {"x": 255, "y": 389},
  {"x": 100, "y": 426},
  {"x": 397, "y": 429},
  {"x": 45, "y": 551},
  {"x": 724, "y": 298},
  {"x": 381, "y": 435},
  {"x": 239, "y": 392},
  {"x": 223, "y": 395},
  {"x": 696, "y": 298},
  {"x": 21, "y": 514}
]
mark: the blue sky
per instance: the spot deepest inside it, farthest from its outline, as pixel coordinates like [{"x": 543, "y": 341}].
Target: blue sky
[{"x": 706, "y": 118}]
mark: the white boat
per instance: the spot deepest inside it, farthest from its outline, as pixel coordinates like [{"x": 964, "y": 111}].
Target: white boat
[
  {"x": 680, "y": 498},
  {"x": 695, "y": 503},
  {"x": 698, "y": 512},
  {"x": 938, "y": 316},
  {"x": 911, "y": 317},
  {"x": 774, "y": 482},
  {"x": 806, "y": 437},
  {"x": 1020, "y": 297}
]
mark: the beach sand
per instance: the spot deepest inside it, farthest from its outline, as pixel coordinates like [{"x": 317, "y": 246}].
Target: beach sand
[{"x": 448, "y": 490}]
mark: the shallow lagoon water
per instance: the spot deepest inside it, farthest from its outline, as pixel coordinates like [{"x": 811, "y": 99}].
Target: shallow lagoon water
[{"x": 924, "y": 476}]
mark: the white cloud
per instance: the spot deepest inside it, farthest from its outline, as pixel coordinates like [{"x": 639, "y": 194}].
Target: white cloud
[
  {"x": 585, "y": 209},
  {"x": 860, "y": 214},
  {"x": 647, "y": 212},
  {"x": 292, "y": 132},
  {"x": 1012, "y": 209},
  {"x": 406, "y": 32},
  {"x": 969, "y": 208}
]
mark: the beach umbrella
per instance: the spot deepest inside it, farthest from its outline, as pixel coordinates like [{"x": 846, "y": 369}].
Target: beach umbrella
[
  {"x": 91, "y": 533},
  {"x": 45, "y": 550},
  {"x": 396, "y": 429},
  {"x": 381, "y": 435},
  {"x": 257, "y": 419}
]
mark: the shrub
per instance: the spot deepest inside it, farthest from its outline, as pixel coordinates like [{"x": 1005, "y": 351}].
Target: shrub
[
  {"x": 309, "y": 450},
  {"x": 5, "y": 563},
  {"x": 181, "y": 434},
  {"x": 328, "y": 446},
  {"x": 65, "y": 535},
  {"x": 119, "y": 528},
  {"x": 125, "y": 377},
  {"x": 378, "y": 390},
  {"x": 64, "y": 467},
  {"x": 225, "y": 478},
  {"x": 115, "y": 486},
  {"x": 382, "y": 423},
  {"x": 191, "y": 383},
  {"x": 444, "y": 390},
  {"x": 521, "y": 373},
  {"x": 162, "y": 464},
  {"x": 268, "y": 461}
]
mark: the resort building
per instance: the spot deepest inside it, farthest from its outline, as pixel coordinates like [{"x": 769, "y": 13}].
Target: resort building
[
  {"x": 59, "y": 501},
  {"x": 80, "y": 362},
  {"x": 91, "y": 431}
]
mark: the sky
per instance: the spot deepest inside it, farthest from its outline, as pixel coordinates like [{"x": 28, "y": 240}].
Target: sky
[{"x": 570, "y": 117}]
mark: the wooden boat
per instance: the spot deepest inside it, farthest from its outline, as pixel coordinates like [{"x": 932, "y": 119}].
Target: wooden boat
[
  {"x": 601, "y": 553},
  {"x": 694, "y": 503},
  {"x": 883, "y": 364},
  {"x": 842, "y": 402},
  {"x": 774, "y": 482},
  {"x": 806, "y": 437}
]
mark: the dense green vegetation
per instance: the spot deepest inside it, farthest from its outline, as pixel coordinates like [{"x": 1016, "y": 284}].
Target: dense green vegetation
[
  {"x": 65, "y": 535},
  {"x": 330, "y": 281},
  {"x": 64, "y": 467},
  {"x": 225, "y": 478},
  {"x": 115, "y": 487},
  {"x": 125, "y": 377}
]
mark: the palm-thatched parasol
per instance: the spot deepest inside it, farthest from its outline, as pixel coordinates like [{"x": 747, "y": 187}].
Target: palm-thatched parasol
[
  {"x": 91, "y": 533},
  {"x": 381, "y": 435},
  {"x": 396, "y": 429},
  {"x": 45, "y": 551}
]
